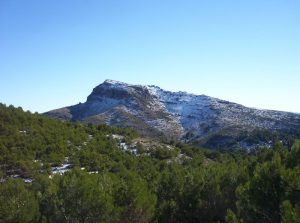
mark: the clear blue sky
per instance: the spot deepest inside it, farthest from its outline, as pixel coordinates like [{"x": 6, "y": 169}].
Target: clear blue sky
[{"x": 52, "y": 53}]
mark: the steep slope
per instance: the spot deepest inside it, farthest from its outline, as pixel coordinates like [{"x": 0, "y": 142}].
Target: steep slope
[{"x": 192, "y": 118}]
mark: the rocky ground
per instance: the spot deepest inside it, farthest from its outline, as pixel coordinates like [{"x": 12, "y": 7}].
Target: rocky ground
[{"x": 197, "y": 119}]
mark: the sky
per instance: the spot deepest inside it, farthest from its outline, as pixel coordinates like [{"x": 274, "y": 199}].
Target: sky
[{"x": 53, "y": 53}]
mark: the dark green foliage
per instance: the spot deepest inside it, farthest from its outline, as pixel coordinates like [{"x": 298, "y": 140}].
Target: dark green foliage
[
  {"x": 164, "y": 153},
  {"x": 17, "y": 203},
  {"x": 108, "y": 184},
  {"x": 137, "y": 203},
  {"x": 85, "y": 198}
]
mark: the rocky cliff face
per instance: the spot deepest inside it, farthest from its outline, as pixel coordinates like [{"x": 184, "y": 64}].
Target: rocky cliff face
[{"x": 191, "y": 118}]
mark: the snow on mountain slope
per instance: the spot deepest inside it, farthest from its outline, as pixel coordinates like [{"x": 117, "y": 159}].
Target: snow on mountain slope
[{"x": 193, "y": 118}]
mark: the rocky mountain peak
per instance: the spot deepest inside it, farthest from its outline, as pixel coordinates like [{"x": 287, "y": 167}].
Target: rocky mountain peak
[
  {"x": 192, "y": 118},
  {"x": 113, "y": 82},
  {"x": 120, "y": 90},
  {"x": 110, "y": 89}
]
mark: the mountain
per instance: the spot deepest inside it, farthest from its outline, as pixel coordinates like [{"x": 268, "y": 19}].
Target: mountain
[{"x": 197, "y": 119}]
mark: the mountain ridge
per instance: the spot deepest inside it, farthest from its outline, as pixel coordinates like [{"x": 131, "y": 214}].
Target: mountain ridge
[{"x": 191, "y": 118}]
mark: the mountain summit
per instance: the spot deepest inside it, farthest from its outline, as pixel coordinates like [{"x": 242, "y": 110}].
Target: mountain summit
[{"x": 198, "y": 119}]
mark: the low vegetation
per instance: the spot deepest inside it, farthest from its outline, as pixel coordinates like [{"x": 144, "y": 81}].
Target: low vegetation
[{"x": 107, "y": 183}]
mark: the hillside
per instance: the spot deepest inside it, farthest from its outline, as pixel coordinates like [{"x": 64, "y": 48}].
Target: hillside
[
  {"x": 197, "y": 119},
  {"x": 54, "y": 171}
]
